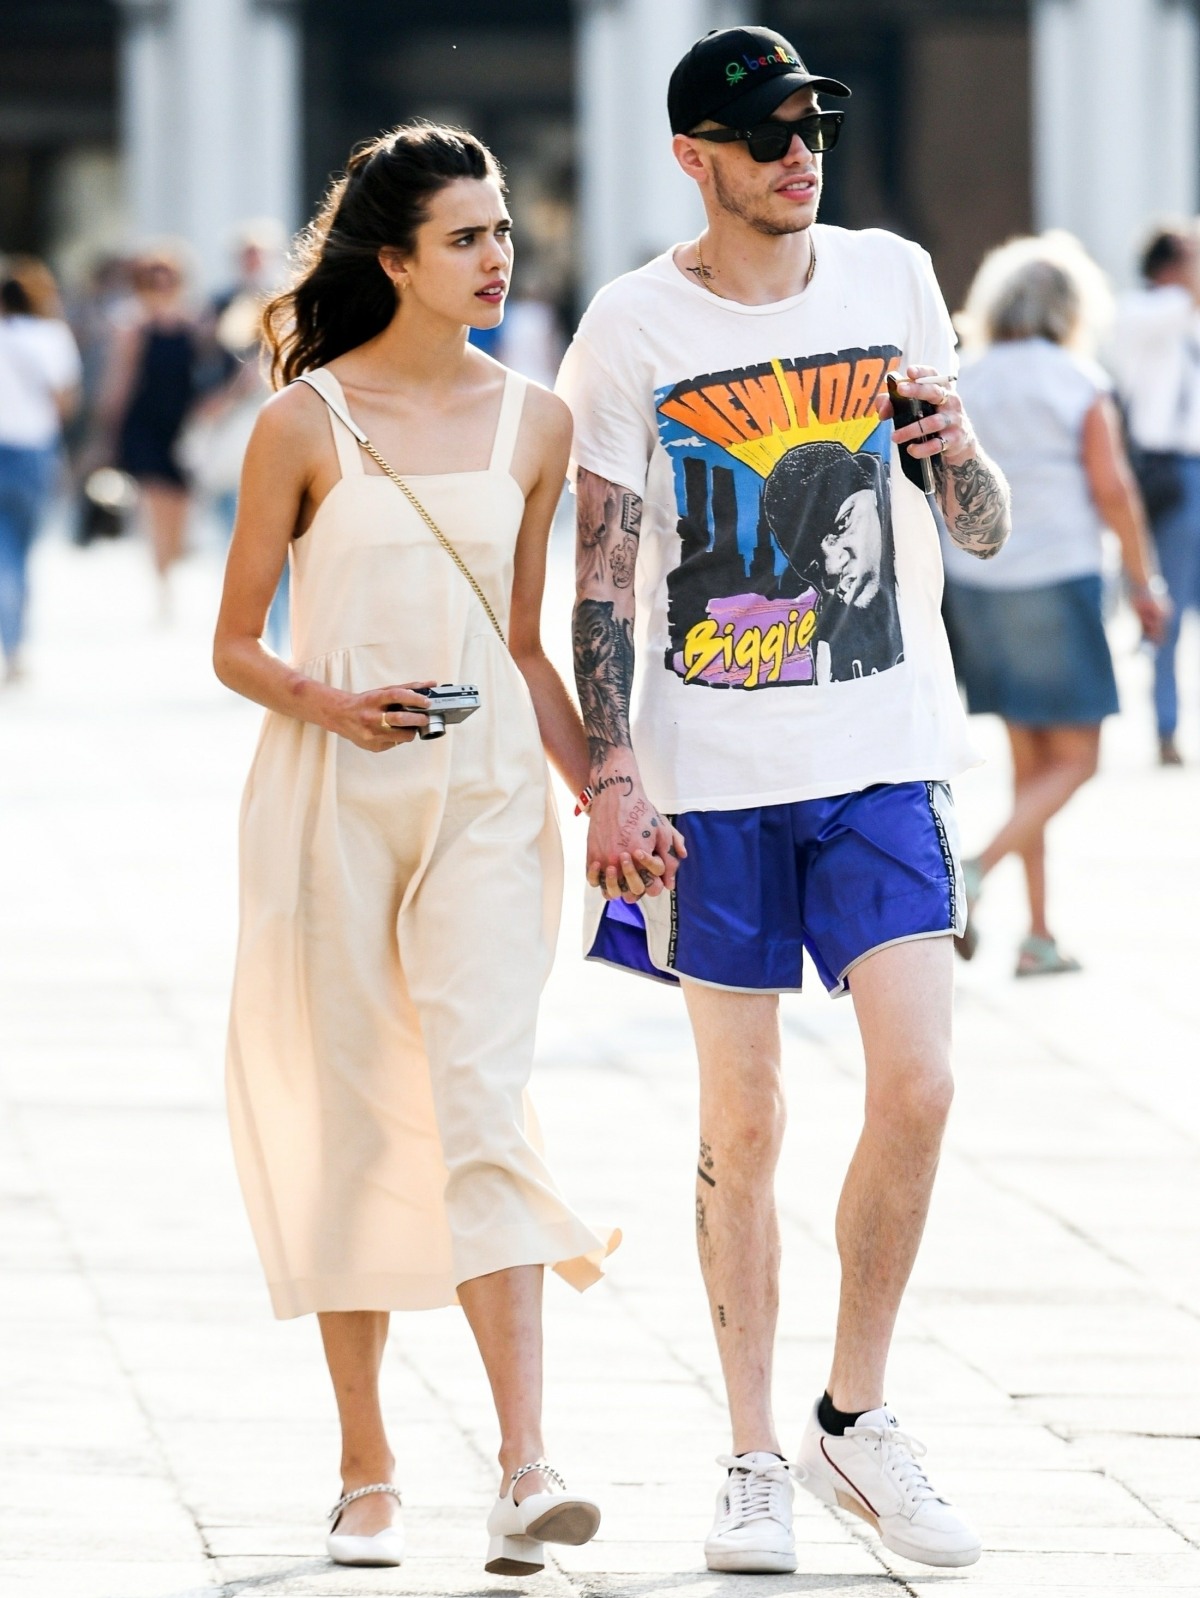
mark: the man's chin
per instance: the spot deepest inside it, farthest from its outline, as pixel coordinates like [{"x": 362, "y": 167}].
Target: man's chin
[{"x": 793, "y": 221}]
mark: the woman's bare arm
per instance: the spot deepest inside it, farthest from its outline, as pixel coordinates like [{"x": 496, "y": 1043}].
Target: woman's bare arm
[
  {"x": 559, "y": 721},
  {"x": 273, "y": 502},
  {"x": 1115, "y": 494}
]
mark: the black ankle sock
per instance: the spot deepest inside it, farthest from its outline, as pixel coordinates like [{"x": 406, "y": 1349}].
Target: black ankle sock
[{"x": 835, "y": 1421}]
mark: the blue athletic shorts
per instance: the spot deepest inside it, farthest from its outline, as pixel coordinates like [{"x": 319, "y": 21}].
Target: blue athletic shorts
[{"x": 839, "y": 877}]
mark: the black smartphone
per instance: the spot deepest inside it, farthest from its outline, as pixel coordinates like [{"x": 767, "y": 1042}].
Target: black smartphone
[{"x": 917, "y": 468}]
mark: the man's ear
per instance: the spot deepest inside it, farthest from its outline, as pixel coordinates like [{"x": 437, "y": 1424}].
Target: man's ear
[{"x": 687, "y": 152}]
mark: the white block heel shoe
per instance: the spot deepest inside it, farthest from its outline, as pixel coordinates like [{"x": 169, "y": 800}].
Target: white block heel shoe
[
  {"x": 517, "y": 1532},
  {"x": 386, "y": 1547}
]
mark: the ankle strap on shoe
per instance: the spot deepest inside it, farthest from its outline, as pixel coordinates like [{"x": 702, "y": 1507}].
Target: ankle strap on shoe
[
  {"x": 546, "y": 1470},
  {"x": 364, "y": 1492}
]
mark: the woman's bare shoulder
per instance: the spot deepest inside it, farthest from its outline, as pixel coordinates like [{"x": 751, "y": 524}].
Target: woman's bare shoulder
[
  {"x": 293, "y": 417},
  {"x": 548, "y": 414}
]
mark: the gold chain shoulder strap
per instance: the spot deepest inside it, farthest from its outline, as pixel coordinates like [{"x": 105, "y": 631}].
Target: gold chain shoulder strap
[
  {"x": 436, "y": 531},
  {"x": 311, "y": 379}
]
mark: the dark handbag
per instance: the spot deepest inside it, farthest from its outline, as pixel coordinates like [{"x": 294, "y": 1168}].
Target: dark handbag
[
  {"x": 1157, "y": 470},
  {"x": 1158, "y": 478}
]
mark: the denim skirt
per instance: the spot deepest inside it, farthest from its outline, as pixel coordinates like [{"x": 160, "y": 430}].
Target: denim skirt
[{"x": 1035, "y": 656}]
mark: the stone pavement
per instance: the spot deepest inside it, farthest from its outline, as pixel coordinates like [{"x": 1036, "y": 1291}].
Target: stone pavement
[{"x": 162, "y": 1437}]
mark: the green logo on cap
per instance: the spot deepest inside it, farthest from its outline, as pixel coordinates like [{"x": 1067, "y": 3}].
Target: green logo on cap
[{"x": 735, "y": 72}]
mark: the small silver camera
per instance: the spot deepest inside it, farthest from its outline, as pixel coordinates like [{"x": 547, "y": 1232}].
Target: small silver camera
[{"x": 449, "y": 702}]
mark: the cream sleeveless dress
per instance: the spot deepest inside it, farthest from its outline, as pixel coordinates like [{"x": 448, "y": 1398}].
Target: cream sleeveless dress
[{"x": 398, "y": 917}]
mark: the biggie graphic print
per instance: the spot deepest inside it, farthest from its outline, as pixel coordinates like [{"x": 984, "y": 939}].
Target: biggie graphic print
[{"x": 787, "y": 573}]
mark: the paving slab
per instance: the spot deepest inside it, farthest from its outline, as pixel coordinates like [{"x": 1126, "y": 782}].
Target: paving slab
[{"x": 1048, "y": 1352}]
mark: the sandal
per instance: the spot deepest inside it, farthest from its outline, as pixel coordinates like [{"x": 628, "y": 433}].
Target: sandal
[
  {"x": 386, "y": 1547},
  {"x": 1041, "y": 957},
  {"x": 516, "y": 1532}
]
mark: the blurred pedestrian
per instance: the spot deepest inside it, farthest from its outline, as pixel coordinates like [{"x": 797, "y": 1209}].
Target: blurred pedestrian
[
  {"x": 1156, "y": 355},
  {"x": 95, "y": 312},
  {"x": 39, "y": 384},
  {"x": 259, "y": 265},
  {"x": 398, "y": 898},
  {"x": 531, "y": 340},
  {"x": 150, "y": 388},
  {"x": 213, "y": 445},
  {"x": 1027, "y": 628}
]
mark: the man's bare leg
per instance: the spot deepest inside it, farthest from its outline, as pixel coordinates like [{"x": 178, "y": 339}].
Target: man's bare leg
[
  {"x": 737, "y": 1229},
  {"x": 902, "y": 997}
]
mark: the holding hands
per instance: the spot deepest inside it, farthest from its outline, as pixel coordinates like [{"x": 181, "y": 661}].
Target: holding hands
[{"x": 632, "y": 849}]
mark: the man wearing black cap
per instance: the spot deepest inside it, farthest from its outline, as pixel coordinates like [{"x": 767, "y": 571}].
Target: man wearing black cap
[{"x": 740, "y": 478}]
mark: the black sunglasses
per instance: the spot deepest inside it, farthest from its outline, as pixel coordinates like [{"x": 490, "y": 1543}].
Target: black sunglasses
[{"x": 771, "y": 141}]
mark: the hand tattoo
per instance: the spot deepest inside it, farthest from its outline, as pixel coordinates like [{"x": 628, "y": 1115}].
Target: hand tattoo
[
  {"x": 974, "y": 501},
  {"x": 620, "y": 781}
]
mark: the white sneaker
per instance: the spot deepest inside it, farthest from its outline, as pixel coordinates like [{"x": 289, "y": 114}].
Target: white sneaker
[
  {"x": 752, "y": 1531},
  {"x": 873, "y": 1472}
]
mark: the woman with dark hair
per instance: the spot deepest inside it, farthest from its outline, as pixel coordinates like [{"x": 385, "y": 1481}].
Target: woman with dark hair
[
  {"x": 149, "y": 389},
  {"x": 399, "y": 898}
]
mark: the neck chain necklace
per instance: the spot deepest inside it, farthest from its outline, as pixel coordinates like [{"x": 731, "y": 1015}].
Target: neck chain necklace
[{"x": 704, "y": 273}]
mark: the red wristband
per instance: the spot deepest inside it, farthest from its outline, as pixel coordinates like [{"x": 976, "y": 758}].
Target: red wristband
[{"x": 583, "y": 800}]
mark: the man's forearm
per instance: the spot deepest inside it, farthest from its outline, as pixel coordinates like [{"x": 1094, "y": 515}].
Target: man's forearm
[
  {"x": 608, "y": 526},
  {"x": 603, "y": 644},
  {"x": 974, "y": 501}
]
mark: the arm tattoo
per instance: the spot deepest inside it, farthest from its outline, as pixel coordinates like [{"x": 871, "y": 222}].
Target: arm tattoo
[
  {"x": 604, "y": 676},
  {"x": 609, "y": 522},
  {"x": 704, "y": 1168},
  {"x": 609, "y": 527},
  {"x": 974, "y": 501},
  {"x": 621, "y": 562}
]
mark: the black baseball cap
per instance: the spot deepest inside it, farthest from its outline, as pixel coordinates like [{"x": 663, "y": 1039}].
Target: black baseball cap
[{"x": 738, "y": 77}]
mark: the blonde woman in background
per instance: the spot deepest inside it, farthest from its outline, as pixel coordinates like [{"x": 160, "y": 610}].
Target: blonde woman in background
[{"x": 1027, "y": 629}]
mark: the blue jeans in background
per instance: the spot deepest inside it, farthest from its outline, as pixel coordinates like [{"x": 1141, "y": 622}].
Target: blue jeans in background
[
  {"x": 26, "y": 478},
  {"x": 1177, "y": 539}
]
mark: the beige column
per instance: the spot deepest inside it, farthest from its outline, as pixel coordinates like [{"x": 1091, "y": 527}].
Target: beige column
[
  {"x": 634, "y": 201},
  {"x": 1115, "y": 119},
  {"x": 210, "y": 119}
]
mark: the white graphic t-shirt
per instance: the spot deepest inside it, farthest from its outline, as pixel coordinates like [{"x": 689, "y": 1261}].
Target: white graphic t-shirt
[{"x": 788, "y": 575}]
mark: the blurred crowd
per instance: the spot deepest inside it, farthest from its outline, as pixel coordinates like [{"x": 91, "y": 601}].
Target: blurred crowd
[
  {"x": 134, "y": 398},
  {"x": 130, "y": 397}
]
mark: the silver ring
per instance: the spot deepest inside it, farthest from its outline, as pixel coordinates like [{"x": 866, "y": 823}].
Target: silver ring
[{"x": 942, "y": 451}]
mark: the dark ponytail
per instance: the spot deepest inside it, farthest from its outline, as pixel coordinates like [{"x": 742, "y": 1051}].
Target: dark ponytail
[{"x": 341, "y": 296}]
